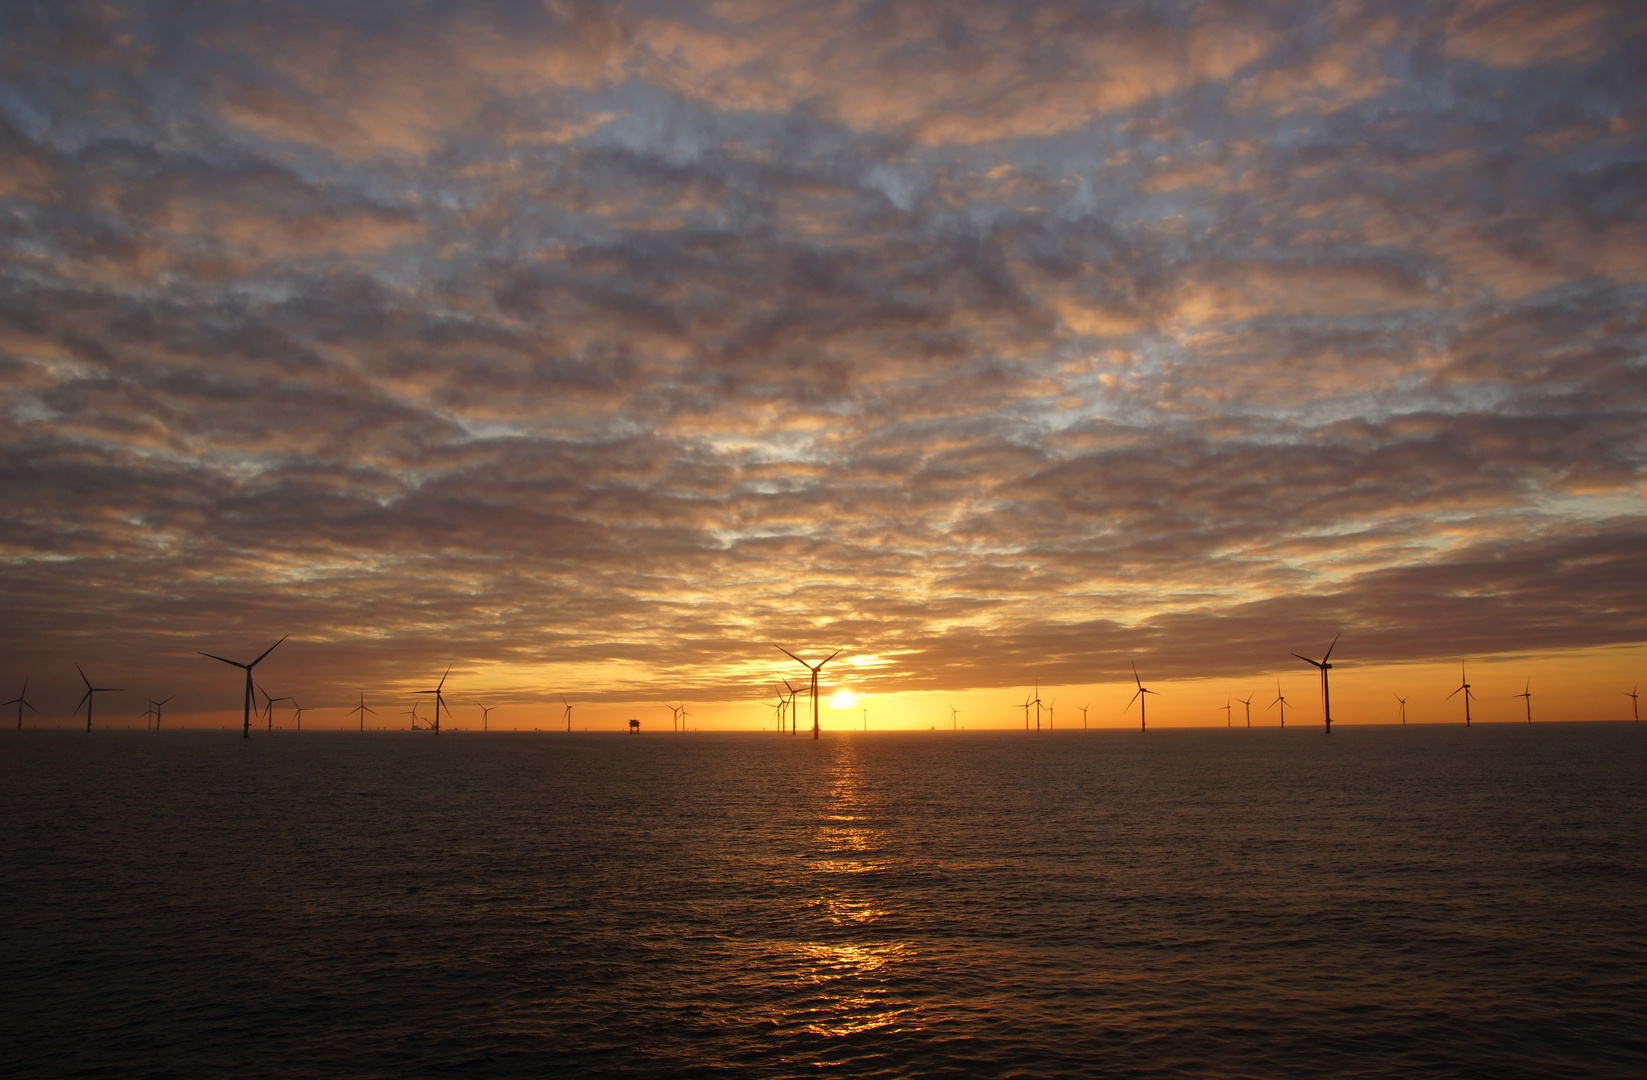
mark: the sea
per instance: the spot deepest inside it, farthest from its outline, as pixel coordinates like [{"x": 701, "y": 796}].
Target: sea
[{"x": 1422, "y": 901}]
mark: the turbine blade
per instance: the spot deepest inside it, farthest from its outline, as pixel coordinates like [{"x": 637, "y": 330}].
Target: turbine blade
[
  {"x": 1135, "y": 677},
  {"x": 830, "y": 657},
  {"x": 1306, "y": 659},
  {"x": 1452, "y": 695},
  {"x": 267, "y": 651},
  {"x": 83, "y": 678},
  {"x": 226, "y": 660},
  {"x": 1333, "y": 646},
  {"x": 442, "y": 681},
  {"x": 792, "y": 656}
]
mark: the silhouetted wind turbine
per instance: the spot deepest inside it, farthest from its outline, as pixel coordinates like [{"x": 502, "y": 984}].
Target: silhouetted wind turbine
[
  {"x": 485, "y": 714},
  {"x": 90, "y": 691},
  {"x": 1403, "y": 701},
  {"x": 1051, "y": 716},
  {"x": 1143, "y": 724},
  {"x": 568, "y": 714},
  {"x": 1025, "y": 706},
  {"x": 1326, "y": 703},
  {"x": 1635, "y": 705},
  {"x": 413, "y": 713},
  {"x": 1228, "y": 711},
  {"x": 1084, "y": 716},
  {"x": 953, "y": 713},
  {"x": 297, "y": 710},
  {"x": 793, "y": 694},
  {"x": 268, "y": 706},
  {"x": 814, "y": 670},
  {"x": 777, "y": 711},
  {"x": 21, "y": 704},
  {"x": 246, "y": 726},
  {"x": 440, "y": 702},
  {"x": 155, "y": 705},
  {"x": 1528, "y": 694},
  {"x": 1247, "y": 701},
  {"x": 362, "y": 710},
  {"x": 1463, "y": 685},
  {"x": 1282, "y": 701},
  {"x": 1037, "y": 705}
]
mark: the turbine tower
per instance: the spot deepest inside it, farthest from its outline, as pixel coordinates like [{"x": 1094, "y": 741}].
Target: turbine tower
[
  {"x": 21, "y": 704},
  {"x": 1143, "y": 724},
  {"x": 91, "y": 691},
  {"x": 814, "y": 669},
  {"x": 1084, "y": 716},
  {"x": 362, "y": 710},
  {"x": 440, "y": 702},
  {"x": 246, "y": 725},
  {"x": 1326, "y": 703},
  {"x": 1528, "y": 694},
  {"x": 1464, "y": 687},
  {"x": 1635, "y": 705},
  {"x": 1280, "y": 700},
  {"x": 1403, "y": 701}
]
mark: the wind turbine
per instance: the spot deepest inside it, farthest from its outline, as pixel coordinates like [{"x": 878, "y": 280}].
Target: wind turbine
[
  {"x": 246, "y": 726},
  {"x": 1464, "y": 685},
  {"x": 20, "y": 702},
  {"x": 1084, "y": 716},
  {"x": 568, "y": 715},
  {"x": 1051, "y": 716},
  {"x": 148, "y": 715},
  {"x": 1528, "y": 694},
  {"x": 814, "y": 670},
  {"x": 1247, "y": 701},
  {"x": 298, "y": 711},
  {"x": 485, "y": 715},
  {"x": 1403, "y": 701},
  {"x": 362, "y": 710},
  {"x": 1143, "y": 724},
  {"x": 155, "y": 705},
  {"x": 953, "y": 713},
  {"x": 793, "y": 694},
  {"x": 1326, "y": 703},
  {"x": 268, "y": 706},
  {"x": 1037, "y": 705},
  {"x": 1228, "y": 711},
  {"x": 90, "y": 692},
  {"x": 440, "y": 702},
  {"x": 1635, "y": 705},
  {"x": 777, "y": 711},
  {"x": 412, "y": 712},
  {"x": 1025, "y": 707},
  {"x": 1282, "y": 701}
]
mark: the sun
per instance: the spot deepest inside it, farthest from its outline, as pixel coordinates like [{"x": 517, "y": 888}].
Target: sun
[{"x": 843, "y": 699}]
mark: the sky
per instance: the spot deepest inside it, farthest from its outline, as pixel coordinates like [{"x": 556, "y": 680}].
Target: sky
[{"x": 595, "y": 349}]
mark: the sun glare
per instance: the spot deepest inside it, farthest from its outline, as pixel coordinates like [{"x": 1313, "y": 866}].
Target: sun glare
[{"x": 843, "y": 699}]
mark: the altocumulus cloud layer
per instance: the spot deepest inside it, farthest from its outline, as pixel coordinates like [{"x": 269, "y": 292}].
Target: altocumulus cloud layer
[{"x": 997, "y": 341}]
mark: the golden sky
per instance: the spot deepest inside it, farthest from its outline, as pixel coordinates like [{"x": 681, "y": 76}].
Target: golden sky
[{"x": 593, "y": 349}]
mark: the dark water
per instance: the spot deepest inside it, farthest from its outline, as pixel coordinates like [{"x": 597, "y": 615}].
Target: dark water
[{"x": 1421, "y": 901}]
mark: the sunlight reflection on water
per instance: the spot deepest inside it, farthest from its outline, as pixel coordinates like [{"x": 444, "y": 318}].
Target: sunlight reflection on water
[{"x": 1195, "y": 904}]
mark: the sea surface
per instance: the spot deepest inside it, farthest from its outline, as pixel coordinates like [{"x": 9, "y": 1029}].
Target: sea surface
[{"x": 1415, "y": 902}]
